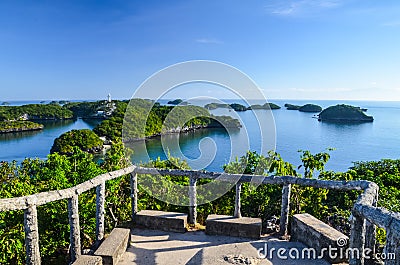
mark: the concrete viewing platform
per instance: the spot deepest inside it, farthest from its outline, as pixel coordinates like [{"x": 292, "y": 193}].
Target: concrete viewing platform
[{"x": 151, "y": 247}]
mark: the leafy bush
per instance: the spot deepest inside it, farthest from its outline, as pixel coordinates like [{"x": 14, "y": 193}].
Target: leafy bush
[{"x": 61, "y": 171}]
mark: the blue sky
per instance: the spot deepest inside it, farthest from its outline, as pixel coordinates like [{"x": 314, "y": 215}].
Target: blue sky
[{"x": 305, "y": 49}]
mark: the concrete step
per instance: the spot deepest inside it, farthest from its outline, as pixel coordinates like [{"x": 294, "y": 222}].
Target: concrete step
[
  {"x": 232, "y": 226},
  {"x": 88, "y": 260},
  {"x": 114, "y": 246},
  {"x": 166, "y": 221}
]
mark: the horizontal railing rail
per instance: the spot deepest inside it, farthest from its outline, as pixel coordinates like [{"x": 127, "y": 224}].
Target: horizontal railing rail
[{"x": 365, "y": 215}]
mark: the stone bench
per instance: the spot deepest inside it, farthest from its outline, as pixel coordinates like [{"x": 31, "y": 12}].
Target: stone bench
[
  {"x": 88, "y": 260},
  {"x": 232, "y": 226},
  {"x": 166, "y": 221},
  {"x": 318, "y": 235},
  {"x": 114, "y": 246}
]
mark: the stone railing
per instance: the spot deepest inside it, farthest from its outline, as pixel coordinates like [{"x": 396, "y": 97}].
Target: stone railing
[{"x": 365, "y": 214}]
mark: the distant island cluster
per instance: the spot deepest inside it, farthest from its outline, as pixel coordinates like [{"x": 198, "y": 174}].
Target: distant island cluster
[
  {"x": 337, "y": 113},
  {"x": 28, "y": 117}
]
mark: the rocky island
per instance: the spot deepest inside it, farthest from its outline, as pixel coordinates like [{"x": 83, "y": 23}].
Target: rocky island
[{"x": 344, "y": 113}]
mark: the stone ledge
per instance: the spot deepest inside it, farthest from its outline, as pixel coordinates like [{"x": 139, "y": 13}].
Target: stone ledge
[
  {"x": 166, "y": 221},
  {"x": 318, "y": 235},
  {"x": 232, "y": 226},
  {"x": 114, "y": 246},
  {"x": 88, "y": 260}
]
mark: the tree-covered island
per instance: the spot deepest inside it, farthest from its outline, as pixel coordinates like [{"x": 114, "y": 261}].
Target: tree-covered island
[
  {"x": 344, "y": 113},
  {"x": 19, "y": 126},
  {"x": 304, "y": 108},
  {"x": 33, "y": 112},
  {"x": 178, "y": 102},
  {"x": 240, "y": 107},
  {"x": 21, "y": 118},
  {"x": 144, "y": 118}
]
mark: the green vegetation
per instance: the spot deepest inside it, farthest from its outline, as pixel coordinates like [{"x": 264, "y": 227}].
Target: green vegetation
[
  {"x": 223, "y": 121},
  {"x": 240, "y": 107},
  {"x": 212, "y": 106},
  {"x": 60, "y": 171},
  {"x": 34, "y": 112},
  {"x": 83, "y": 109},
  {"x": 292, "y": 107},
  {"x": 304, "y": 108},
  {"x": 310, "y": 108},
  {"x": 140, "y": 122},
  {"x": 176, "y": 101},
  {"x": 237, "y": 107},
  {"x": 86, "y": 140},
  {"x": 19, "y": 126},
  {"x": 344, "y": 113},
  {"x": 265, "y": 106},
  {"x": 34, "y": 176}
]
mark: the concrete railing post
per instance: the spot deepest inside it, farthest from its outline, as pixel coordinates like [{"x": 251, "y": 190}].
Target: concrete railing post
[
  {"x": 100, "y": 210},
  {"x": 134, "y": 192},
  {"x": 357, "y": 239},
  {"x": 192, "y": 200},
  {"x": 31, "y": 236},
  {"x": 75, "y": 233},
  {"x": 370, "y": 236},
  {"x": 391, "y": 250},
  {"x": 238, "y": 213},
  {"x": 285, "y": 208}
]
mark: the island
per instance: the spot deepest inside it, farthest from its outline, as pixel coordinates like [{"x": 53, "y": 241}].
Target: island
[
  {"x": 85, "y": 139},
  {"x": 264, "y": 106},
  {"x": 304, "y": 108},
  {"x": 240, "y": 107},
  {"x": 19, "y": 126},
  {"x": 310, "y": 108},
  {"x": 292, "y": 107},
  {"x": 212, "y": 106},
  {"x": 143, "y": 119},
  {"x": 177, "y": 102},
  {"x": 344, "y": 113},
  {"x": 32, "y": 112}
]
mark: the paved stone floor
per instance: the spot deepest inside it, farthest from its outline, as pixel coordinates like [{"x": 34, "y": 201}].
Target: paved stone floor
[{"x": 150, "y": 247}]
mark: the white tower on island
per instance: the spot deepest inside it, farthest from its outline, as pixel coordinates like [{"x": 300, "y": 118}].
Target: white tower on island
[{"x": 109, "y": 98}]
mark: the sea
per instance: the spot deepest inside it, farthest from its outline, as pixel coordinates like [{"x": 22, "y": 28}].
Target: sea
[{"x": 288, "y": 132}]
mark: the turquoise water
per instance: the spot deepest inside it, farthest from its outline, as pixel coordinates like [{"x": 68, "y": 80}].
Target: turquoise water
[
  {"x": 212, "y": 148},
  {"x": 18, "y": 146},
  {"x": 294, "y": 131}
]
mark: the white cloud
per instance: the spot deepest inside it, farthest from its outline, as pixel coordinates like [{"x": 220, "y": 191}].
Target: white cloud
[
  {"x": 302, "y": 7},
  {"x": 209, "y": 41}
]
